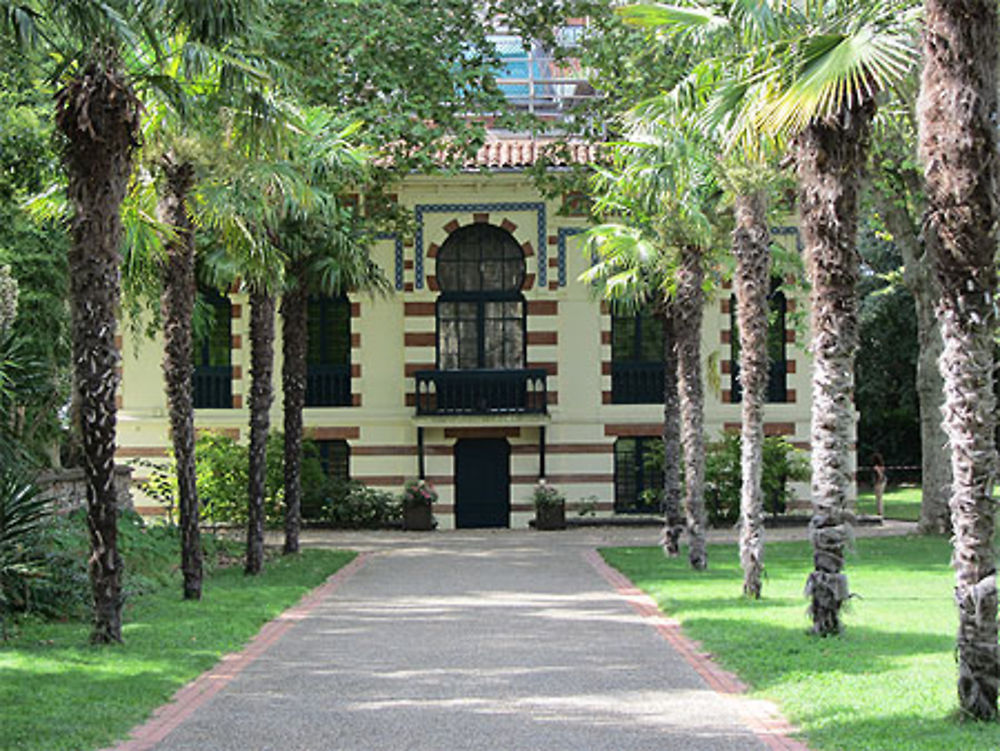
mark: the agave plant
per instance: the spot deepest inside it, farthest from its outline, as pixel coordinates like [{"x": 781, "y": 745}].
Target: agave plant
[{"x": 23, "y": 512}]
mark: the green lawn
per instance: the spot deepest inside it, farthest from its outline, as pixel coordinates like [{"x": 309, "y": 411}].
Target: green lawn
[
  {"x": 887, "y": 683},
  {"x": 899, "y": 503},
  {"x": 56, "y": 694}
]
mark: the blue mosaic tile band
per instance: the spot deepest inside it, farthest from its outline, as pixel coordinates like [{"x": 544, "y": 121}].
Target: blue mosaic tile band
[
  {"x": 399, "y": 255},
  {"x": 790, "y": 229},
  {"x": 564, "y": 234},
  {"x": 541, "y": 249}
]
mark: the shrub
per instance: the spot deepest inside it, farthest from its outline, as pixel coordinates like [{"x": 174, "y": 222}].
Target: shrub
[
  {"x": 353, "y": 505},
  {"x": 723, "y": 476},
  {"x": 546, "y": 496},
  {"x": 222, "y": 466}
]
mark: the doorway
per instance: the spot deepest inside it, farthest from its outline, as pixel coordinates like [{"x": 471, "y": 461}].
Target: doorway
[{"x": 482, "y": 483}]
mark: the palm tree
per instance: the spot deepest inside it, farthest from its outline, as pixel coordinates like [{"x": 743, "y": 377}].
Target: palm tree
[
  {"x": 662, "y": 185},
  {"x": 752, "y": 249},
  {"x": 177, "y": 307},
  {"x": 99, "y": 113},
  {"x": 328, "y": 261},
  {"x": 179, "y": 130},
  {"x": 327, "y": 255},
  {"x": 901, "y": 201},
  {"x": 673, "y": 514},
  {"x": 260, "y": 207},
  {"x": 748, "y": 177},
  {"x": 810, "y": 73},
  {"x": 958, "y": 146}
]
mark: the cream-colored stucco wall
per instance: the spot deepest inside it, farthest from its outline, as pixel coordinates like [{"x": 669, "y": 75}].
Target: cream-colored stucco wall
[{"x": 568, "y": 333}]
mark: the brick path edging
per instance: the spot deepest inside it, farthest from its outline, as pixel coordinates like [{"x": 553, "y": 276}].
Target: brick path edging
[
  {"x": 196, "y": 693},
  {"x": 762, "y": 717}
]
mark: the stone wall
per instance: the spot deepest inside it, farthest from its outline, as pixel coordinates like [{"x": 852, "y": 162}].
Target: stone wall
[{"x": 67, "y": 488}]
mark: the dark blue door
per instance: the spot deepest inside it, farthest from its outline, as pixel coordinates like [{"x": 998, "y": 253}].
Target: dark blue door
[{"x": 482, "y": 483}]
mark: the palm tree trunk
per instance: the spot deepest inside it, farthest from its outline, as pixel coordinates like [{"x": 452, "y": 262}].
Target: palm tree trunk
[
  {"x": 919, "y": 278},
  {"x": 673, "y": 516},
  {"x": 177, "y": 305},
  {"x": 294, "y": 316},
  {"x": 958, "y": 144},
  {"x": 261, "y": 394},
  {"x": 689, "y": 309},
  {"x": 830, "y": 160},
  {"x": 752, "y": 248},
  {"x": 98, "y": 113}
]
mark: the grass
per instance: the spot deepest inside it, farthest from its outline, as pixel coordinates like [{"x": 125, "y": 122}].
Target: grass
[
  {"x": 901, "y": 503},
  {"x": 58, "y": 694},
  {"x": 886, "y": 684}
]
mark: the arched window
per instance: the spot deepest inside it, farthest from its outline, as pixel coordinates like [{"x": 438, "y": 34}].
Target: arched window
[{"x": 480, "y": 313}]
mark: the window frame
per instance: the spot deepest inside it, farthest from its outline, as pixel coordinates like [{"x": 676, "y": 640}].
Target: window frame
[
  {"x": 777, "y": 390},
  {"x": 465, "y": 240},
  {"x": 639, "y": 475}
]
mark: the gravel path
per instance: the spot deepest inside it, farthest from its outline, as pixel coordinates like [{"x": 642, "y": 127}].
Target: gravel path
[{"x": 468, "y": 640}]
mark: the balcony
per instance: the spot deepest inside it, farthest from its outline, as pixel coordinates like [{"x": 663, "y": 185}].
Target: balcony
[
  {"x": 637, "y": 383},
  {"x": 481, "y": 392},
  {"x": 535, "y": 81},
  {"x": 328, "y": 386},
  {"x": 212, "y": 387}
]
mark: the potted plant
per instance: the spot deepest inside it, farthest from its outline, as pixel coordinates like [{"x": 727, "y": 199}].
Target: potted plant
[
  {"x": 418, "y": 499},
  {"x": 550, "y": 506}
]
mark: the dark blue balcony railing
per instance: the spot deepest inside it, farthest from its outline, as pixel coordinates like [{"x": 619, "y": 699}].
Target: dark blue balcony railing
[
  {"x": 481, "y": 392},
  {"x": 637, "y": 383},
  {"x": 328, "y": 386},
  {"x": 213, "y": 387}
]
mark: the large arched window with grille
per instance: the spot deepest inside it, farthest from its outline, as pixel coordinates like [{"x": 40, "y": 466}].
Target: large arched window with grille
[{"x": 480, "y": 313}]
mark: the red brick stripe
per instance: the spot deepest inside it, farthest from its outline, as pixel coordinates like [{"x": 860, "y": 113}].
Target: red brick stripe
[
  {"x": 630, "y": 429},
  {"x": 195, "y": 694},
  {"x": 543, "y": 337},
  {"x": 763, "y": 718},
  {"x": 418, "y": 308}
]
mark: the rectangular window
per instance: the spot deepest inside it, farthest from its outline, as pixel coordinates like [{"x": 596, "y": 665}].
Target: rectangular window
[
  {"x": 213, "y": 373},
  {"x": 480, "y": 334},
  {"x": 777, "y": 381},
  {"x": 328, "y": 353},
  {"x": 638, "y": 475},
  {"x": 636, "y": 358},
  {"x": 335, "y": 458}
]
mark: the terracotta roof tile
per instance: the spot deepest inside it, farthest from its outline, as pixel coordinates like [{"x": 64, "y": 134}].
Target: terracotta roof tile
[{"x": 508, "y": 153}]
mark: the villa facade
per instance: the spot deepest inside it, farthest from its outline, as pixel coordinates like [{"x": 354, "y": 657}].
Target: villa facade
[{"x": 490, "y": 367}]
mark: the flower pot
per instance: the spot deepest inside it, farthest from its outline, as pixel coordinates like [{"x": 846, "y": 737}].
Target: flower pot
[
  {"x": 418, "y": 517},
  {"x": 550, "y": 517}
]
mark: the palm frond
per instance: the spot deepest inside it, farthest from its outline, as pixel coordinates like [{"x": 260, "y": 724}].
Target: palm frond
[
  {"x": 835, "y": 71},
  {"x": 678, "y": 20}
]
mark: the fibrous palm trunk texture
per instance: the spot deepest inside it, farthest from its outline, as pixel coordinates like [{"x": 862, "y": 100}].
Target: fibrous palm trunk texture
[
  {"x": 752, "y": 248},
  {"x": 920, "y": 278},
  {"x": 957, "y": 111},
  {"x": 177, "y": 306},
  {"x": 98, "y": 113},
  {"x": 673, "y": 514},
  {"x": 294, "y": 318},
  {"x": 261, "y": 394},
  {"x": 689, "y": 314},
  {"x": 830, "y": 161}
]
